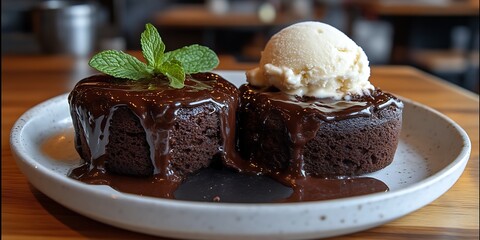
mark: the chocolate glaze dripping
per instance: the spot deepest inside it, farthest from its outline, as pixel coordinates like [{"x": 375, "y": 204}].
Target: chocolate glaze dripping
[
  {"x": 164, "y": 182},
  {"x": 300, "y": 116}
]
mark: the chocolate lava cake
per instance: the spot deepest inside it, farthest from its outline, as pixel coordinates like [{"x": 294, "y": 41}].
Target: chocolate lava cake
[
  {"x": 306, "y": 136},
  {"x": 146, "y": 128}
]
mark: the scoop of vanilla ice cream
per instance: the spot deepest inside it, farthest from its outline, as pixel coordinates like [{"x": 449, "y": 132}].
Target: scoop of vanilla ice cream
[{"x": 313, "y": 59}]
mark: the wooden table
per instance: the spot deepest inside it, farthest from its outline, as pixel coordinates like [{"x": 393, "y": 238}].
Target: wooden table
[{"x": 29, "y": 214}]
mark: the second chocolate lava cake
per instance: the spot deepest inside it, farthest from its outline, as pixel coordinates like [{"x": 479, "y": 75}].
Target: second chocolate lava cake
[{"x": 299, "y": 136}]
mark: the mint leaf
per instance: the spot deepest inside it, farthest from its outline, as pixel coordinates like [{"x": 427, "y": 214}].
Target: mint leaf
[
  {"x": 152, "y": 46},
  {"x": 174, "y": 72},
  {"x": 194, "y": 58},
  {"x": 174, "y": 65},
  {"x": 120, "y": 65}
]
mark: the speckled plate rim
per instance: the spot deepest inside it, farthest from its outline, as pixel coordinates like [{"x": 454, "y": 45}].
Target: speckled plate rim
[{"x": 197, "y": 220}]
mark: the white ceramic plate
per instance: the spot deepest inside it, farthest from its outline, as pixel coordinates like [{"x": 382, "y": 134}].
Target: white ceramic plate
[{"x": 431, "y": 156}]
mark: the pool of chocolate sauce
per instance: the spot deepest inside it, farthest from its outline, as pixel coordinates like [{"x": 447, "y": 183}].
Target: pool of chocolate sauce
[
  {"x": 236, "y": 180},
  {"x": 225, "y": 185},
  {"x": 212, "y": 184}
]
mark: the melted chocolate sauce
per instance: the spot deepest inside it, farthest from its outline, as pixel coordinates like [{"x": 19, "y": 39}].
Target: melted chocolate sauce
[
  {"x": 301, "y": 116},
  {"x": 224, "y": 185},
  {"x": 156, "y": 104},
  {"x": 211, "y": 184}
]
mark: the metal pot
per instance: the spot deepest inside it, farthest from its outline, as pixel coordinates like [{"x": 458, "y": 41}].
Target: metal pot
[{"x": 66, "y": 27}]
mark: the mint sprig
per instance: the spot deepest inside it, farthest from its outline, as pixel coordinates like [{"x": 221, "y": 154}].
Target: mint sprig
[{"x": 173, "y": 65}]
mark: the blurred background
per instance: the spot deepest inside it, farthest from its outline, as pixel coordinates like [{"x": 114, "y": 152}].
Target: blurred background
[{"x": 438, "y": 36}]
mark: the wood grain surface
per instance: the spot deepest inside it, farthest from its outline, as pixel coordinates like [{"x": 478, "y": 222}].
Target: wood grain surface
[{"x": 29, "y": 214}]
